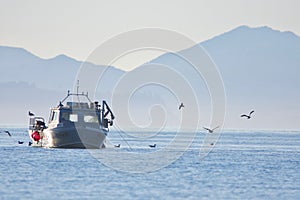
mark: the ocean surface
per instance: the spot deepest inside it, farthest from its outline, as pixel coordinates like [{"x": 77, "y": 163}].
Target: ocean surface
[{"x": 242, "y": 165}]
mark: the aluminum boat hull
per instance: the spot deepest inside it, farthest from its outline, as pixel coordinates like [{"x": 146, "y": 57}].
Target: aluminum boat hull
[{"x": 72, "y": 137}]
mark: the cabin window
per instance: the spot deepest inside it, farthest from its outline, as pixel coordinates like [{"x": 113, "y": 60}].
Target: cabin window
[
  {"x": 65, "y": 116},
  {"x": 90, "y": 119},
  {"x": 54, "y": 116},
  {"x": 73, "y": 118}
]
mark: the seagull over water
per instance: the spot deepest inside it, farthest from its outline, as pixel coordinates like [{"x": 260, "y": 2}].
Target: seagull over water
[
  {"x": 8, "y": 133},
  {"x": 30, "y": 113},
  {"x": 118, "y": 146},
  {"x": 181, "y": 106},
  {"x": 152, "y": 145},
  {"x": 211, "y": 130},
  {"x": 248, "y": 116}
]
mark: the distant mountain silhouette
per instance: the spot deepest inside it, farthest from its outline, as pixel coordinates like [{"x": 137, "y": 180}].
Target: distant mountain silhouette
[
  {"x": 252, "y": 61},
  {"x": 28, "y": 82},
  {"x": 58, "y": 73},
  {"x": 260, "y": 68},
  {"x": 262, "y": 60}
]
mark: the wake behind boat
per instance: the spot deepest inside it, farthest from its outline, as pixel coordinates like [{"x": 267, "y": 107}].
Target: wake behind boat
[{"x": 74, "y": 125}]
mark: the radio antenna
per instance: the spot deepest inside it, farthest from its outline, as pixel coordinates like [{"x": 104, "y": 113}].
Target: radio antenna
[{"x": 77, "y": 92}]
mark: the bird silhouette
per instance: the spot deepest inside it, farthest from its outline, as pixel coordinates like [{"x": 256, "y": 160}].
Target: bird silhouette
[
  {"x": 8, "y": 133},
  {"x": 248, "y": 116},
  {"x": 211, "y": 130},
  {"x": 181, "y": 106},
  {"x": 30, "y": 113},
  {"x": 118, "y": 145},
  {"x": 29, "y": 143},
  {"x": 20, "y": 142},
  {"x": 152, "y": 145}
]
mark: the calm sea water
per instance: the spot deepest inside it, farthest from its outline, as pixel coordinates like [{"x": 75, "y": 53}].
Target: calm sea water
[{"x": 243, "y": 165}]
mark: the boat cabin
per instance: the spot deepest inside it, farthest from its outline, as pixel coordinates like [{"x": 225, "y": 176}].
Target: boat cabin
[{"x": 82, "y": 114}]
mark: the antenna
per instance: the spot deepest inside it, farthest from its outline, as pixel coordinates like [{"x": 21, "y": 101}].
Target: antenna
[
  {"x": 77, "y": 87},
  {"x": 77, "y": 92}
]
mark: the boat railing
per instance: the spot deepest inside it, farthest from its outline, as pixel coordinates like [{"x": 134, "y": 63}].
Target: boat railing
[
  {"x": 76, "y": 94},
  {"x": 37, "y": 123},
  {"x": 104, "y": 113}
]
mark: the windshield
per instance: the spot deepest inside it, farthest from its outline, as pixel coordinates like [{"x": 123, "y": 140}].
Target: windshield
[
  {"x": 69, "y": 116},
  {"x": 54, "y": 116}
]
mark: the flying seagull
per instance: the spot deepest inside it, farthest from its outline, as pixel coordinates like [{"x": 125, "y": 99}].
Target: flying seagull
[
  {"x": 152, "y": 145},
  {"x": 248, "y": 116},
  {"x": 8, "y": 133},
  {"x": 20, "y": 142},
  {"x": 181, "y": 106},
  {"x": 30, "y": 113},
  {"x": 211, "y": 130}
]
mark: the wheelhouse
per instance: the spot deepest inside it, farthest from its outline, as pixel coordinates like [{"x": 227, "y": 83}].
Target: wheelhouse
[{"x": 81, "y": 114}]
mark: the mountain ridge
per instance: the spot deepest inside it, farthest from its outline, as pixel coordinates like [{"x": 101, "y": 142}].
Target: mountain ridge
[{"x": 259, "y": 67}]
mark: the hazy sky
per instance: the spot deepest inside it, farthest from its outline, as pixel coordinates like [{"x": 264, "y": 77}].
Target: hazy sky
[{"x": 75, "y": 28}]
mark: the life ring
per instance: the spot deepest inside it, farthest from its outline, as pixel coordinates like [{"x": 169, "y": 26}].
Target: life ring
[{"x": 36, "y": 136}]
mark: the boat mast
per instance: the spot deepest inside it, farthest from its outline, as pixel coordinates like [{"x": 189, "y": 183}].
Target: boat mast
[{"x": 78, "y": 91}]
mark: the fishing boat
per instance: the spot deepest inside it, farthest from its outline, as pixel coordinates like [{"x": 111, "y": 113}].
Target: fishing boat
[{"x": 76, "y": 124}]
